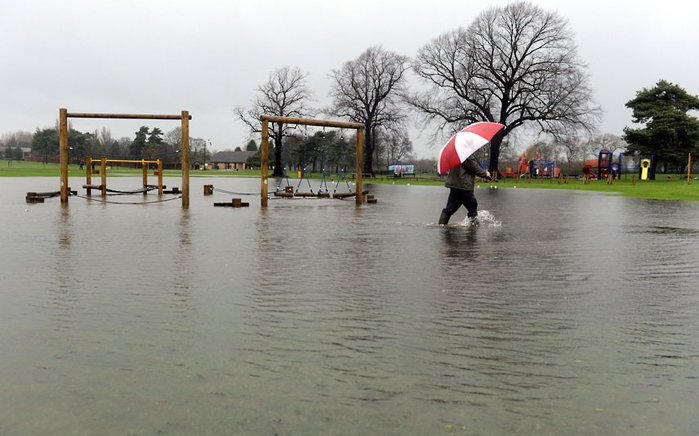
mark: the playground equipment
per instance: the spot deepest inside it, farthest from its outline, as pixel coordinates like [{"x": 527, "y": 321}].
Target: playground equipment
[
  {"x": 302, "y": 174},
  {"x": 63, "y": 116},
  {"x": 521, "y": 170},
  {"x": 103, "y": 172},
  {"x": 264, "y": 149},
  {"x": 342, "y": 176},
  {"x": 285, "y": 175},
  {"x": 605, "y": 165},
  {"x": 323, "y": 182},
  {"x": 289, "y": 191},
  {"x": 645, "y": 164},
  {"x": 543, "y": 168}
]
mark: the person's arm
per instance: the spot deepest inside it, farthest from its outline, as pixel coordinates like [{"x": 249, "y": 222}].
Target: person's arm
[{"x": 472, "y": 166}]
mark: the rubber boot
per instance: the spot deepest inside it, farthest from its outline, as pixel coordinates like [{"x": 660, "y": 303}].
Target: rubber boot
[
  {"x": 444, "y": 219},
  {"x": 474, "y": 221}
]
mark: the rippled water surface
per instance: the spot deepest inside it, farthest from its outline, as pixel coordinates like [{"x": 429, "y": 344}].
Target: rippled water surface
[{"x": 562, "y": 313}]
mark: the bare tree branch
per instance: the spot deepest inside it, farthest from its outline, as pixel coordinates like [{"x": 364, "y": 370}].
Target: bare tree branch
[
  {"x": 367, "y": 90},
  {"x": 285, "y": 94},
  {"x": 516, "y": 65}
]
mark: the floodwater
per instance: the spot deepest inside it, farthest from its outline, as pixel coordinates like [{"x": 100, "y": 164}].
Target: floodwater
[{"x": 563, "y": 313}]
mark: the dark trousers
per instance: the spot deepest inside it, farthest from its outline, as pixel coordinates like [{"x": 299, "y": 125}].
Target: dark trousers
[{"x": 458, "y": 198}]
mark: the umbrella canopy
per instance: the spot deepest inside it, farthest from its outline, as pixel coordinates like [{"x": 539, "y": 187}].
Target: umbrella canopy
[{"x": 464, "y": 143}]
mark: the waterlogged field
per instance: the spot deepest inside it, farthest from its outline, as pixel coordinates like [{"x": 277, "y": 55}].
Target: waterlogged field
[
  {"x": 563, "y": 313},
  {"x": 672, "y": 187}
]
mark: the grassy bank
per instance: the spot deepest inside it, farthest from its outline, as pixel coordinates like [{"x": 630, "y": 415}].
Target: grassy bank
[
  {"x": 664, "y": 188},
  {"x": 39, "y": 169},
  {"x": 675, "y": 188}
]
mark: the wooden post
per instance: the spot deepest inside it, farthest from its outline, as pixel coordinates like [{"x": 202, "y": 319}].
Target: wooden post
[
  {"x": 160, "y": 177},
  {"x": 360, "y": 166},
  {"x": 88, "y": 174},
  {"x": 185, "y": 159},
  {"x": 145, "y": 176},
  {"x": 264, "y": 158},
  {"x": 689, "y": 167},
  {"x": 63, "y": 150},
  {"x": 104, "y": 175}
]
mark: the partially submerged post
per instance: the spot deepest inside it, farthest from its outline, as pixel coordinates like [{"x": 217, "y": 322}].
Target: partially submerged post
[
  {"x": 63, "y": 152},
  {"x": 264, "y": 148}
]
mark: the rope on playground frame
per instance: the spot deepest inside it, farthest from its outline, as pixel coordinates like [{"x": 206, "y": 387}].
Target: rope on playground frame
[
  {"x": 84, "y": 197},
  {"x": 135, "y": 191}
]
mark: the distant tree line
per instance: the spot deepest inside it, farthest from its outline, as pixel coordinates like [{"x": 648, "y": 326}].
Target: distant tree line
[{"x": 148, "y": 143}]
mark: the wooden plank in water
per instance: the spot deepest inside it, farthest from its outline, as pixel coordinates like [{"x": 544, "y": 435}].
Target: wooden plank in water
[
  {"x": 236, "y": 202},
  {"x": 44, "y": 194},
  {"x": 344, "y": 194}
]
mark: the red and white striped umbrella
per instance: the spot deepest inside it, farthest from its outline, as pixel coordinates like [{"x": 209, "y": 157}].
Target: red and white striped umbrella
[{"x": 464, "y": 143}]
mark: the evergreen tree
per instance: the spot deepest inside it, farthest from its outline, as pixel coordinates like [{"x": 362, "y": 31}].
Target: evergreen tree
[
  {"x": 669, "y": 133},
  {"x": 155, "y": 136},
  {"x": 139, "y": 143}
]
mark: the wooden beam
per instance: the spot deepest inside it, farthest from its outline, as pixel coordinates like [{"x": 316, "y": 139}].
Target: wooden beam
[
  {"x": 88, "y": 174},
  {"x": 311, "y": 122},
  {"x": 103, "y": 166},
  {"x": 160, "y": 177},
  {"x": 127, "y": 116},
  {"x": 63, "y": 150},
  {"x": 360, "y": 165},
  {"x": 264, "y": 161},
  {"x": 185, "y": 159}
]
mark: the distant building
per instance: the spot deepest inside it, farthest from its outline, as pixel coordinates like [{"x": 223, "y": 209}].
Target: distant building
[{"x": 231, "y": 160}]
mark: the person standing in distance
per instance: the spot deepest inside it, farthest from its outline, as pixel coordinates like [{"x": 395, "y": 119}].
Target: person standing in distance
[{"x": 461, "y": 181}]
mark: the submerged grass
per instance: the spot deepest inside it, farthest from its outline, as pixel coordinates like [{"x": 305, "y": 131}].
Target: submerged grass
[{"x": 675, "y": 187}]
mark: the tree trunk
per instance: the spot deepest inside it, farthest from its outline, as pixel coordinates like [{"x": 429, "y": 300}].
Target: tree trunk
[
  {"x": 278, "y": 146},
  {"x": 368, "y": 150},
  {"x": 494, "y": 157},
  {"x": 653, "y": 168}
]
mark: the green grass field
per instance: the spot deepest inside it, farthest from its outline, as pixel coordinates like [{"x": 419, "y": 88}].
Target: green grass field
[{"x": 664, "y": 188}]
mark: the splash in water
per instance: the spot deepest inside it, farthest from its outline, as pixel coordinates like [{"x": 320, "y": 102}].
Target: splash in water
[{"x": 485, "y": 219}]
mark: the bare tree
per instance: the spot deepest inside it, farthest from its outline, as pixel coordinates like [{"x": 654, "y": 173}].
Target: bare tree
[
  {"x": 516, "y": 65},
  {"x": 395, "y": 146},
  {"x": 122, "y": 146},
  {"x": 285, "y": 94},
  {"x": 609, "y": 141},
  {"x": 367, "y": 90}
]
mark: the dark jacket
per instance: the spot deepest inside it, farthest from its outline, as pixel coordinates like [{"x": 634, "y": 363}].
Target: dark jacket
[{"x": 464, "y": 176}]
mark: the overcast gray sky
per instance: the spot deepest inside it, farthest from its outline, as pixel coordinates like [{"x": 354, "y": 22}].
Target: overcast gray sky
[{"x": 208, "y": 56}]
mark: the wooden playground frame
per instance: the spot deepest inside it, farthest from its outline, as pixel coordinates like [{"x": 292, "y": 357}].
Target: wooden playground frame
[
  {"x": 103, "y": 172},
  {"x": 63, "y": 116},
  {"x": 264, "y": 148}
]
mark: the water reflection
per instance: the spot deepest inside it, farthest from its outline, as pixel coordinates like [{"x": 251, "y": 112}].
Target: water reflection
[
  {"x": 571, "y": 314},
  {"x": 183, "y": 255}
]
